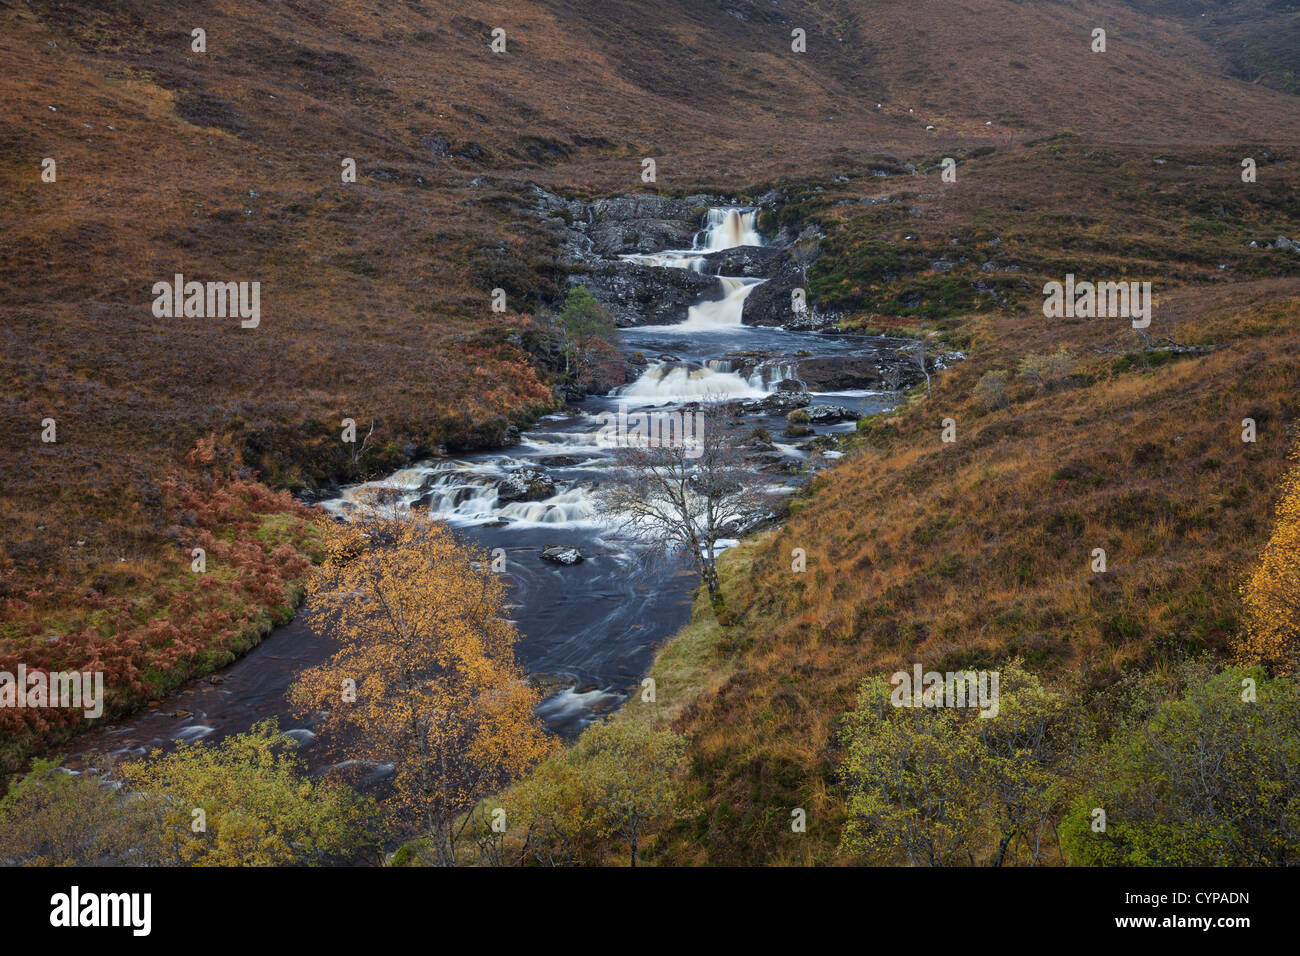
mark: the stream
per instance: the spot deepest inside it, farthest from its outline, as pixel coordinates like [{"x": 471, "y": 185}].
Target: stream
[{"x": 590, "y": 629}]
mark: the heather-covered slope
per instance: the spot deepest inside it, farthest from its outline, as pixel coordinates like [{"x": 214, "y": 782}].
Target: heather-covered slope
[{"x": 225, "y": 165}]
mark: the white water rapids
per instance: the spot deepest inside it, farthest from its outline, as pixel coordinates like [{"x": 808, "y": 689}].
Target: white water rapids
[{"x": 592, "y": 626}]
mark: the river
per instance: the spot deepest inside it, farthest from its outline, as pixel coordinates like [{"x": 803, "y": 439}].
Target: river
[{"x": 593, "y": 627}]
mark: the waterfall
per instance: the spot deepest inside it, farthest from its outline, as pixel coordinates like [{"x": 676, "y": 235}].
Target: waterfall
[
  {"x": 724, "y": 313},
  {"x": 668, "y": 260},
  {"x": 768, "y": 374},
  {"x": 675, "y": 383},
  {"x": 728, "y": 228}
]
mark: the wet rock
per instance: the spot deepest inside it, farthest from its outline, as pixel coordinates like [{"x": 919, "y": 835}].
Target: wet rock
[
  {"x": 772, "y": 304},
  {"x": 874, "y": 371},
  {"x": 548, "y": 684},
  {"x": 562, "y": 554},
  {"x": 778, "y": 403},
  {"x": 745, "y": 524},
  {"x": 752, "y": 262},
  {"x": 945, "y": 360},
  {"x": 829, "y": 414},
  {"x": 571, "y": 391},
  {"x": 526, "y": 484},
  {"x": 559, "y": 461},
  {"x": 627, "y": 224},
  {"x": 776, "y": 461},
  {"x": 608, "y": 228},
  {"x": 818, "y": 444},
  {"x": 644, "y": 295}
]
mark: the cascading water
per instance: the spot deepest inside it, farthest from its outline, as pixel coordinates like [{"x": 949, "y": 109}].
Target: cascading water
[
  {"x": 668, "y": 260},
  {"x": 724, "y": 229},
  {"x": 767, "y": 375},
  {"x": 596, "y": 623},
  {"x": 666, "y": 383},
  {"x": 729, "y": 228},
  {"x": 720, "y": 314}
]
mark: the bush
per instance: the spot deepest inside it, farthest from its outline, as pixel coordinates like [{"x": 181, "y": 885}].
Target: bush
[
  {"x": 1208, "y": 780},
  {"x": 1047, "y": 372},
  {"x": 991, "y": 390}
]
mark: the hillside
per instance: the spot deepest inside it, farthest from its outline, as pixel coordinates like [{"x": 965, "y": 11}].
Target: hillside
[{"x": 375, "y": 295}]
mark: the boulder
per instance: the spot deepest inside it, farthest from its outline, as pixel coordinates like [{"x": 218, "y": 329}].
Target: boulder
[
  {"x": 526, "y": 484},
  {"x": 625, "y": 224},
  {"x": 772, "y": 304},
  {"x": 828, "y": 414},
  {"x": 562, "y": 554},
  {"x": 778, "y": 403},
  {"x": 751, "y": 262},
  {"x": 744, "y": 524}
]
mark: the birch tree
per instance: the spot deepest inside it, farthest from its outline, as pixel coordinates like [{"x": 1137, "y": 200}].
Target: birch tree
[
  {"x": 684, "y": 496},
  {"x": 425, "y": 677}
]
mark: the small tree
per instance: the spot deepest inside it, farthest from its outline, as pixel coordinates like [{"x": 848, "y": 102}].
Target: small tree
[
  {"x": 910, "y": 777},
  {"x": 554, "y": 804},
  {"x": 588, "y": 325},
  {"x": 1271, "y": 598},
  {"x": 631, "y": 774},
  {"x": 916, "y": 352},
  {"x": 685, "y": 496},
  {"x": 426, "y": 678},
  {"x": 942, "y": 786}
]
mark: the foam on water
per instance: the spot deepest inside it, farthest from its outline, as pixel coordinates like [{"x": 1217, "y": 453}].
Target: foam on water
[
  {"x": 677, "y": 384},
  {"x": 729, "y": 228}
]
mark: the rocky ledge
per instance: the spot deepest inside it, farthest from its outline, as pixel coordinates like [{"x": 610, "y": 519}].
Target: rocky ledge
[{"x": 644, "y": 295}]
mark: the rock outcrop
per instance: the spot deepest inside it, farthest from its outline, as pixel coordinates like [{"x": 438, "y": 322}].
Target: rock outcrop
[
  {"x": 773, "y": 304},
  {"x": 644, "y": 295}
]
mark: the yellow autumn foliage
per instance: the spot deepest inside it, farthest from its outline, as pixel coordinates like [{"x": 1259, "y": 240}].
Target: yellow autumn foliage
[
  {"x": 1271, "y": 597},
  {"x": 425, "y": 678}
]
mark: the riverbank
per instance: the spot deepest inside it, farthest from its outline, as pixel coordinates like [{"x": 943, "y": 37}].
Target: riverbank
[{"x": 968, "y": 554}]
